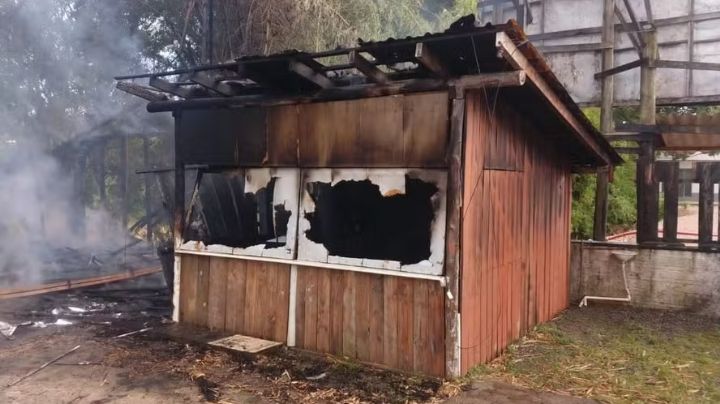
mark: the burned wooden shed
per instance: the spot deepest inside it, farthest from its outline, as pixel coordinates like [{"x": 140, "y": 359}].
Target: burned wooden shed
[{"x": 403, "y": 202}]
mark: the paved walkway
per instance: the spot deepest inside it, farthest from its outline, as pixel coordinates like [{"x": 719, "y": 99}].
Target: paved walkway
[{"x": 503, "y": 393}]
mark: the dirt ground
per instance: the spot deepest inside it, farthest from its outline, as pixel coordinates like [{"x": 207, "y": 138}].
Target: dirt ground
[{"x": 155, "y": 366}]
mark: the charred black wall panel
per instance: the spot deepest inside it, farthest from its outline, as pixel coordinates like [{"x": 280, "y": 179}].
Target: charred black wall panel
[
  {"x": 222, "y": 137},
  {"x": 353, "y": 219}
]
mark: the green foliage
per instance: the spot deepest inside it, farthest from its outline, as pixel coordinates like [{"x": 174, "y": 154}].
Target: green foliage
[{"x": 622, "y": 195}]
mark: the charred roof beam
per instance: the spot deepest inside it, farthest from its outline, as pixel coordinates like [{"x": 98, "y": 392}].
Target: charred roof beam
[
  {"x": 171, "y": 88},
  {"x": 206, "y": 80},
  {"x": 316, "y": 77},
  {"x": 367, "y": 68},
  {"x": 143, "y": 92},
  {"x": 430, "y": 61}
]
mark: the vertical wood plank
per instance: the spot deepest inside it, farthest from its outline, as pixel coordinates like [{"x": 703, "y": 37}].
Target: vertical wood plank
[
  {"x": 311, "y": 309},
  {"x": 406, "y": 313},
  {"x": 323, "y": 309},
  {"x": 203, "y": 282},
  {"x": 188, "y": 289},
  {"x": 348, "y": 343},
  {"x": 337, "y": 279},
  {"x": 436, "y": 331},
  {"x": 251, "y": 313},
  {"x": 235, "y": 301},
  {"x": 377, "y": 319},
  {"x": 706, "y": 199},
  {"x": 391, "y": 319},
  {"x": 420, "y": 326},
  {"x": 300, "y": 315},
  {"x": 217, "y": 293},
  {"x": 362, "y": 316}
]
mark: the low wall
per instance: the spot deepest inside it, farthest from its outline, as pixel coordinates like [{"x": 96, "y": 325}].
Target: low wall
[{"x": 657, "y": 278}]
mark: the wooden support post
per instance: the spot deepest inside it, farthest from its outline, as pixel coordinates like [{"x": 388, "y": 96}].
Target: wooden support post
[
  {"x": 670, "y": 184},
  {"x": 123, "y": 181},
  {"x": 647, "y": 191},
  {"x": 706, "y": 199},
  {"x": 602, "y": 191},
  {"x": 148, "y": 194},
  {"x": 79, "y": 197},
  {"x": 606, "y": 120},
  {"x": 453, "y": 235},
  {"x": 179, "y": 202},
  {"x": 647, "y": 79},
  {"x": 647, "y": 195},
  {"x": 100, "y": 173}
]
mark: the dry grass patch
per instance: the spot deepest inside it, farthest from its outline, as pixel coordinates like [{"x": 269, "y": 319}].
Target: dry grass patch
[{"x": 618, "y": 355}]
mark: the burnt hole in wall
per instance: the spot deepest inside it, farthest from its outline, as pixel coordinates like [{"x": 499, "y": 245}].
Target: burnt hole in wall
[
  {"x": 223, "y": 213},
  {"x": 353, "y": 219}
]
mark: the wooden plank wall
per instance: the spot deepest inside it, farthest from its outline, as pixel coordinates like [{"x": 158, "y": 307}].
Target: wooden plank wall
[
  {"x": 515, "y": 230},
  {"x": 235, "y": 296},
  {"x": 391, "y": 321}
]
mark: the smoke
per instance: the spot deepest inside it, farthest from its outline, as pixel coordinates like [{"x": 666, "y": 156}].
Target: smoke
[{"x": 57, "y": 59}]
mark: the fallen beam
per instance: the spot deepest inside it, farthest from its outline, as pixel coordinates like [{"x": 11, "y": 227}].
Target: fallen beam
[{"x": 75, "y": 284}]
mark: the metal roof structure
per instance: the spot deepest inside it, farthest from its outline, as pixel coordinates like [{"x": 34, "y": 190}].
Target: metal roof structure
[{"x": 429, "y": 62}]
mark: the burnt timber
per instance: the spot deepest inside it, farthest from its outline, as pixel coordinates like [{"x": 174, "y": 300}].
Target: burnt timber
[{"x": 474, "y": 112}]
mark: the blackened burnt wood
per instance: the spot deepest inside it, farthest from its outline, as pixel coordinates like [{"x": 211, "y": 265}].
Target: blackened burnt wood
[
  {"x": 365, "y": 67},
  {"x": 148, "y": 184},
  {"x": 452, "y": 237},
  {"x": 705, "y": 217},
  {"x": 601, "y": 204},
  {"x": 123, "y": 180},
  {"x": 647, "y": 195},
  {"x": 669, "y": 177},
  {"x": 168, "y": 87},
  {"x": 425, "y": 56},
  {"x": 309, "y": 74},
  {"x": 504, "y": 79},
  {"x": 179, "y": 206},
  {"x": 205, "y": 80},
  {"x": 140, "y": 91}
]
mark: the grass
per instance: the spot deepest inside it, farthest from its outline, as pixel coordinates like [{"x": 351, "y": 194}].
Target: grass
[{"x": 618, "y": 355}]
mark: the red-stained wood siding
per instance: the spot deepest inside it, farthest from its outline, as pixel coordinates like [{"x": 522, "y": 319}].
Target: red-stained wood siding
[
  {"x": 515, "y": 230},
  {"x": 235, "y": 296},
  {"x": 391, "y": 321}
]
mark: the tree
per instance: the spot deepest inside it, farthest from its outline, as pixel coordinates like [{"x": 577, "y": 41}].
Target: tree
[{"x": 622, "y": 213}]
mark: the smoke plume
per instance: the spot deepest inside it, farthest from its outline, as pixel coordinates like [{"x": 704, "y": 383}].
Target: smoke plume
[{"x": 57, "y": 59}]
